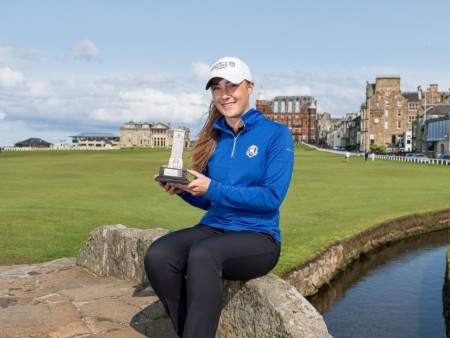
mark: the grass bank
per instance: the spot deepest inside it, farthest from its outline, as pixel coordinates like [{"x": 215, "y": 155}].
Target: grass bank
[{"x": 51, "y": 200}]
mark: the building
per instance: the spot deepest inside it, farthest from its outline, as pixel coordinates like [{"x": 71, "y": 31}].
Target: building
[
  {"x": 420, "y": 134},
  {"x": 387, "y": 114},
  {"x": 325, "y": 125},
  {"x": 350, "y": 130},
  {"x": 298, "y": 113},
  {"x": 95, "y": 140},
  {"x": 33, "y": 143},
  {"x": 388, "y": 117},
  {"x": 433, "y": 104},
  {"x": 437, "y": 135},
  {"x": 145, "y": 134},
  {"x": 343, "y": 133}
]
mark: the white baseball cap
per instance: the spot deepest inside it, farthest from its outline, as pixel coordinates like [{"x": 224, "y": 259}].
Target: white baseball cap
[{"x": 231, "y": 69}]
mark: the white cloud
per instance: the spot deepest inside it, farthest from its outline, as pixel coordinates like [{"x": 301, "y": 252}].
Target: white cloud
[
  {"x": 85, "y": 50},
  {"x": 201, "y": 71},
  {"x": 11, "y": 78},
  {"x": 54, "y": 109},
  {"x": 335, "y": 93},
  {"x": 2, "y": 116},
  {"x": 59, "y": 108}
]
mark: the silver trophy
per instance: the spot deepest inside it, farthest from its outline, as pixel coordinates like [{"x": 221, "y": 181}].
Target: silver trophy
[{"x": 174, "y": 172}]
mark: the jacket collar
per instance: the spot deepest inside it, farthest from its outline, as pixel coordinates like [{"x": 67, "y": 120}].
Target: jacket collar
[{"x": 249, "y": 119}]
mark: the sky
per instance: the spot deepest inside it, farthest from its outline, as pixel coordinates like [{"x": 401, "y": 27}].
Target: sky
[{"x": 89, "y": 66}]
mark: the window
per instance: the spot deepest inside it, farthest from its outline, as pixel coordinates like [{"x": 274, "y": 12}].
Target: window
[
  {"x": 377, "y": 105},
  {"x": 413, "y": 106},
  {"x": 386, "y": 125},
  {"x": 290, "y": 107},
  {"x": 399, "y": 103},
  {"x": 399, "y": 112},
  {"x": 411, "y": 119},
  {"x": 386, "y": 113},
  {"x": 399, "y": 124},
  {"x": 275, "y": 107}
]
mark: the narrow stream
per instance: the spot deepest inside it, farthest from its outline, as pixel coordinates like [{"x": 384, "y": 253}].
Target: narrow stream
[{"x": 393, "y": 292}]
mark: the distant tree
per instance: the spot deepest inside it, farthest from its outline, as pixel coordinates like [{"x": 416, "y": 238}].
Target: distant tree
[{"x": 378, "y": 149}]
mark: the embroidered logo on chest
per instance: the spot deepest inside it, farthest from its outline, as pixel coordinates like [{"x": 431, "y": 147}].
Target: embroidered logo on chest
[{"x": 252, "y": 151}]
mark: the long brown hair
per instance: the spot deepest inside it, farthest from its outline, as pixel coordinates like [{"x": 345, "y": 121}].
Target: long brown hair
[{"x": 207, "y": 140}]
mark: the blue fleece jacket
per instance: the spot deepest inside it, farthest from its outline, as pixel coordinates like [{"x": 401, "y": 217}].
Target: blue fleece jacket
[{"x": 250, "y": 175}]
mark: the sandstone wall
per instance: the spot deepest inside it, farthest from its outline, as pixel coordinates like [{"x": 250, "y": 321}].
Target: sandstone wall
[
  {"x": 263, "y": 307},
  {"x": 308, "y": 278}
]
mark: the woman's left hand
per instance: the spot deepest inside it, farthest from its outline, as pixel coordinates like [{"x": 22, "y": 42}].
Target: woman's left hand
[{"x": 199, "y": 186}]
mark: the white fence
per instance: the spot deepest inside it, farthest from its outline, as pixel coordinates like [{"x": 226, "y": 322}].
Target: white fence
[
  {"x": 56, "y": 148},
  {"x": 414, "y": 160},
  {"x": 385, "y": 157}
]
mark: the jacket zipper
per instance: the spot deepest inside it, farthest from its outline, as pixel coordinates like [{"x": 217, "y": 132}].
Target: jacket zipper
[{"x": 234, "y": 142}]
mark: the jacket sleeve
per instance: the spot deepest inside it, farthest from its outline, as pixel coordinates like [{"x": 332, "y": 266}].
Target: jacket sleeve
[
  {"x": 270, "y": 194},
  {"x": 197, "y": 201}
]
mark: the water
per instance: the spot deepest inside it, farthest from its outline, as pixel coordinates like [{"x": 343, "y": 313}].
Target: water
[{"x": 395, "y": 292}]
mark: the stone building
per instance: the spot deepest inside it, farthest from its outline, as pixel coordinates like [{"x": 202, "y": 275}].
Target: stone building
[
  {"x": 387, "y": 113},
  {"x": 325, "y": 125},
  {"x": 350, "y": 131},
  {"x": 145, "y": 134},
  {"x": 296, "y": 112},
  {"x": 343, "y": 133}
]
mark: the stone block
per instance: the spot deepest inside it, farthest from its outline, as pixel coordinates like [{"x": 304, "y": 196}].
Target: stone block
[{"x": 118, "y": 251}]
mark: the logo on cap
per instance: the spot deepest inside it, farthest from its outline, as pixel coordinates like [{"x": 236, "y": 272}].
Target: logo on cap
[{"x": 219, "y": 65}]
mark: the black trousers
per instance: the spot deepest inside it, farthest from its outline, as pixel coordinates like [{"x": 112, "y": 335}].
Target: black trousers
[{"x": 186, "y": 269}]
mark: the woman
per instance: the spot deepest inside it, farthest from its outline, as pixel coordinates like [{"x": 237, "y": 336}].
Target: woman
[{"x": 242, "y": 169}]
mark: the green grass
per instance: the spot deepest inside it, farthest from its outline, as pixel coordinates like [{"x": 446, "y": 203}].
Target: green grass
[{"x": 51, "y": 200}]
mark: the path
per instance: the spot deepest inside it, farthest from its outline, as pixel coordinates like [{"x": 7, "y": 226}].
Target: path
[{"x": 60, "y": 299}]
